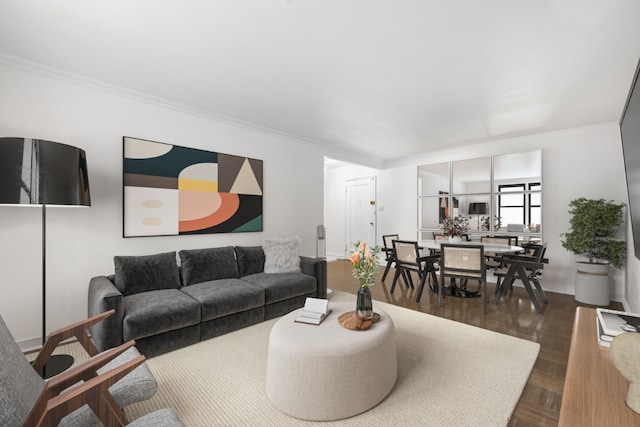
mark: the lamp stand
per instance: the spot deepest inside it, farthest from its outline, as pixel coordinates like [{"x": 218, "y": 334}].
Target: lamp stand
[{"x": 56, "y": 363}]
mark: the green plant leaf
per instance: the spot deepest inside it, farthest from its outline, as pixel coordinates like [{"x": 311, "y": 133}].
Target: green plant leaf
[{"x": 594, "y": 224}]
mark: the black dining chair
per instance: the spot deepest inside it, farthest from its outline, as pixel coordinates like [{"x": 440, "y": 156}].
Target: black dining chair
[
  {"x": 527, "y": 268},
  {"x": 491, "y": 262},
  {"x": 463, "y": 262},
  {"x": 408, "y": 260},
  {"x": 389, "y": 253}
]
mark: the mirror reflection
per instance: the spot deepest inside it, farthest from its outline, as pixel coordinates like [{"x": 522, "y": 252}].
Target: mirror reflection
[
  {"x": 433, "y": 179},
  {"x": 472, "y": 176},
  {"x": 500, "y": 194}
]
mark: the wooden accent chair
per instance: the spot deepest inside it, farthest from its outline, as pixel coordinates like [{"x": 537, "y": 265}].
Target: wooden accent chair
[{"x": 95, "y": 390}]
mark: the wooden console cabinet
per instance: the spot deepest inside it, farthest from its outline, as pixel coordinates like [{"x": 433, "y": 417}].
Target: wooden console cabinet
[{"x": 594, "y": 391}]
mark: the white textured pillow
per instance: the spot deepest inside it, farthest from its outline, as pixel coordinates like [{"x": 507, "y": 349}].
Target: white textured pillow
[{"x": 281, "y": 255}]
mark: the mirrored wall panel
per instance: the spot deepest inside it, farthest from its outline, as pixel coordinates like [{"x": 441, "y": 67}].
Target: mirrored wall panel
[
  {"x": 499, "y": 194},
  {"x": 471, "y": 176},
  {"x": 433, "y": 179}
]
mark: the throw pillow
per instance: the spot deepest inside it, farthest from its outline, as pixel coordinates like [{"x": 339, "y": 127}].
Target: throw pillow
[
  {"x": 135, "y": 274},
  {"x": 250, "y": 259},
  {"x": 281, "y": 255},
  {"x": 203, "y": 265}
]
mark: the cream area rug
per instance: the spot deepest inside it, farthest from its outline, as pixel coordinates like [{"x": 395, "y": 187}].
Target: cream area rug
[{"x": 449, "y": 374}]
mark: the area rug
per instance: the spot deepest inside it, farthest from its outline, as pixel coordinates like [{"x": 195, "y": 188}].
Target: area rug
[{"x": 449, "y": 374}]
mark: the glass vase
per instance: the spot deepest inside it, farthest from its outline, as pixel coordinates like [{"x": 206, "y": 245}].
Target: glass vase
[{"x": 364, "y": 306}]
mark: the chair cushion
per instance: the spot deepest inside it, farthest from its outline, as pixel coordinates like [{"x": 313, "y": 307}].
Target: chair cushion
[
  {"x": 250, "y": 259},
  {"x": 136, "y": 386},
  {"x": 281, "y": 255},
  {"x": 20, "y": 384},
  {"x": 202, "y": 265},
  {"x": 283, "y": 286},
  {"x": 223, "y": 297},
  {"x": 135, "y": 274},
  {"x": 154, "y": 312},
  {"x": 161, "y": 418}
]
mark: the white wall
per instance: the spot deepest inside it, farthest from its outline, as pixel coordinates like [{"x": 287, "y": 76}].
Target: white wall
[
  {"x": 585, "y": 162},
  {"x": 81, "y": 243}
]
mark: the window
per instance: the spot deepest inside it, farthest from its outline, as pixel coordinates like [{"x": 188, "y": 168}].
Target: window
[
  {"x": 521, "y": 207},
  {"x": 535, "y": 205},
  {"x": 511, "y": 207}
]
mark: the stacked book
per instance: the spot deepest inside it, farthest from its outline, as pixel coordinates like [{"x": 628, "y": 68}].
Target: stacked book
[{"x": 612, "y": 323}]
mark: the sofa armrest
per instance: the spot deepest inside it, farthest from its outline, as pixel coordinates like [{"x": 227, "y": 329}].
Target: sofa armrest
[
  {"x": 104, "y": 296},
  {"x": 316, "y": 267}
]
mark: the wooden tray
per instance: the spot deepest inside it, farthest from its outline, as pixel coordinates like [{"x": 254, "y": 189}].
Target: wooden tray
[{"x": 351, "y": 321}]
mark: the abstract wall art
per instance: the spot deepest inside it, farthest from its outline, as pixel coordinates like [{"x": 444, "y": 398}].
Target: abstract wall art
[{"x": 174, "y": 190}]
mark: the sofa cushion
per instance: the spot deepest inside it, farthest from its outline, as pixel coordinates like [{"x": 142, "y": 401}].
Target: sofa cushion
[
  {"x": 250, "y": 259},
  {"x": 282, "y": 286},
  {"x": 135, "y": 274},
  {"x": 281, "y": 255},
  {"x": 203, "y": 265},
  {"x": 219, "y": 298},
  {"x": 154, "y": 312}
]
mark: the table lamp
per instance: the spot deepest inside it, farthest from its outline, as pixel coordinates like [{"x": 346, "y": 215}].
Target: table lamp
[{"x": 44, "y": 173}]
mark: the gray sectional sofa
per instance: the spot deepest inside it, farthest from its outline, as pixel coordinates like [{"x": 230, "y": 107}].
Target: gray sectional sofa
[{"x": 164, "y": 306}]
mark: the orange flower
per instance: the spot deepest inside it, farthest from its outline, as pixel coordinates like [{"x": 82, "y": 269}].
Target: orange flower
[{"x": 365, "y": 263}]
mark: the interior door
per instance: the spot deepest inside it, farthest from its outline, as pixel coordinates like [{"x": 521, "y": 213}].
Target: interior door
[{"x": 361, "y": 212}]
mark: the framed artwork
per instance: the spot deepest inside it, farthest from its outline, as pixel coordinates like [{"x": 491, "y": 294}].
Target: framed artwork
[
  {"x": 444, "y": 211},
  {"x": 172, "y": 190}
]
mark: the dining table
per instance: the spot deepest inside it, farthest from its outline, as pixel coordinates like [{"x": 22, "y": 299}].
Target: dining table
[{"x": 489, "y": 248}]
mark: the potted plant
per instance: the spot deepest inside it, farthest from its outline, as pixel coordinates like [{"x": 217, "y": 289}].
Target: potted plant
[{"x": 594, "y": 224}]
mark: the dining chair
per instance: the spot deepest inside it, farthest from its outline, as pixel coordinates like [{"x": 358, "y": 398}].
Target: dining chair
[
  {"x": 387, "y": 241},
  {"x": 491, "y": 263},
  {"x": 441, "y": 238},
  {"x": 513, "y": 240},
  {"x": 526, "y": 268},
  {"x": 463, "y": 262},
  {"x": 408, "y": 260}
]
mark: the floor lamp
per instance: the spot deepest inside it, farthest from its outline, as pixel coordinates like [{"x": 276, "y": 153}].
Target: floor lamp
[{"x": 44, "y": 173}]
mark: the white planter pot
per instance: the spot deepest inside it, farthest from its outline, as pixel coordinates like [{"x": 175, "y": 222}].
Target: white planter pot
[
  {"x": 455, "y": 240},
  {"x": 592, "y": 283}
]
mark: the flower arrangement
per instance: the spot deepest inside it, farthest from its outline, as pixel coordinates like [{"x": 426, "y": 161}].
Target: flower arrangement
[
  {"x": 455, "y": 226},
  {"x": 365, "y": 263}
]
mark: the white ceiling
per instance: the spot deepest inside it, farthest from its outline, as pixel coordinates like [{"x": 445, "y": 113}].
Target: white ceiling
[{"x": 368, "y": 79}]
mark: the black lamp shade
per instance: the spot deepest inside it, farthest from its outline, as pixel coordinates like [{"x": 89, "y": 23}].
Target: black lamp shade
[
  {"x": 477, "y": 208},
  {"x": 37, "y": 172}
]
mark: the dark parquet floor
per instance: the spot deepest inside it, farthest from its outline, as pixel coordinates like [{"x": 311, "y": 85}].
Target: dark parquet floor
[{"x": 540, "y": 402}]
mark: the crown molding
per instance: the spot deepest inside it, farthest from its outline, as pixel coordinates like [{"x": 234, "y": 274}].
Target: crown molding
[{"x": 90, "y": 83}]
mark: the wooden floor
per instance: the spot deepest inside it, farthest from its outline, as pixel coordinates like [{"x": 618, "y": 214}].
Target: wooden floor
[{"x": 539, "y": 404}]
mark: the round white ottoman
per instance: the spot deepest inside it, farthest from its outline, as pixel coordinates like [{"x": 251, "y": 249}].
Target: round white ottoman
[{"x": 327, "y": 372}]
